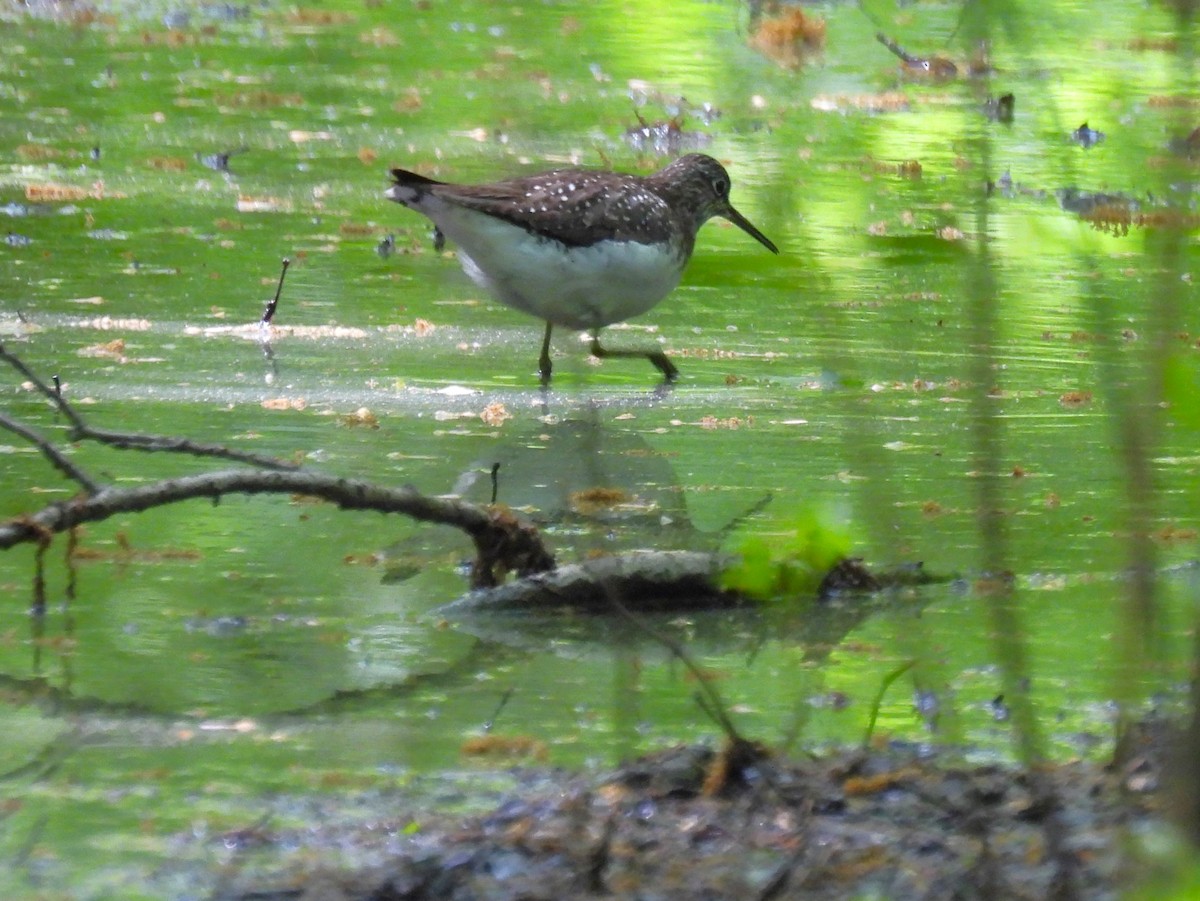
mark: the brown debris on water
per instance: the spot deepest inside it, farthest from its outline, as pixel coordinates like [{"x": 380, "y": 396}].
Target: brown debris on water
[
  {"x": 167, "y": 163},
  {"x": 1173, "y": 101},
  {"x": 1156, "y": 44},
  {"x": 110, "y": 350},
  {"x": 322, "y": 18},
  {"x": 1116, "y": 215},
  {"x": 37, "y": 153},
  {"x": 360, "y": 418},
  {"x": 48, "y": 192},
  {"x": 885, "y": 102},
  {"x": 495, "y": 414},
  {"x": 789, "y": 37},
  {"x": 591, "y": 501},
  {"x": 284, "y": 403},
  {"x": 256, "y": 100},
  {"x": 505, "y": 747},
  {"x": 905, "y": 169},
  {"x": 1075, "y": 398}
]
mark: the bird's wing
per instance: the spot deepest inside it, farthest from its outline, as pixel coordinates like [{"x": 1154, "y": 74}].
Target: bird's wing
[{"x": 573, "y": 207}]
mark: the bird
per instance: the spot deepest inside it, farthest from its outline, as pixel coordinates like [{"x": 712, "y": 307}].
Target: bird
[{"x": 578, "y": 248}]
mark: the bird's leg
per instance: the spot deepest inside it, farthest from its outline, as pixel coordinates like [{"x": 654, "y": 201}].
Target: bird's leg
[
  {"x": 657, "y": 357},
  {"x": 544, "y": 359}
]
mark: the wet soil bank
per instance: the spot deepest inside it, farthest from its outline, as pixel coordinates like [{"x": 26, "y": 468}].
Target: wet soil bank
[{"x": 693, "y": 823}]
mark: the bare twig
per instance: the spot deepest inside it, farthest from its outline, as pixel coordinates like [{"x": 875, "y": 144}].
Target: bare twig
[
  {"x": 753, "y": 510},
  {"x": 490, "y": 722},
  {"x": 54, "y": 394},
  {"x": 173, "y": 444},
  {"x": 51, "y": 453},
  {"x": 888, "y": 679},
  {"x": 80, "y": 430},
  {"x": 269, "y": 312},
  {"x": 707, "y": 696}
]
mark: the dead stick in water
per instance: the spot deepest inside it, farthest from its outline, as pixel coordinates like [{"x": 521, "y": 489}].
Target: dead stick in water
[{"x": 269, "y": 312}]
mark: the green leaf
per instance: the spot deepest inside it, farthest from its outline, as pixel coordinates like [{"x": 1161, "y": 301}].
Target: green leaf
[
  {"x": 792, "y": 564},
  {"x": 755, "y": 574}
]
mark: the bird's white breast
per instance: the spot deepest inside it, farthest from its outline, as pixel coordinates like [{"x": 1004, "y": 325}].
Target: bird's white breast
[{"x": 576, "y": 287}]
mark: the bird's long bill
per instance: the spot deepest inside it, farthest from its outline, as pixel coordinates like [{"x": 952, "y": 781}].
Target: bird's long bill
[{"x": 748, "y": 227}]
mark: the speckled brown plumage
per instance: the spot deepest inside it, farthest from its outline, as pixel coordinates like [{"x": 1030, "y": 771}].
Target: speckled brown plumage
[{"x": 578, "y": 248}]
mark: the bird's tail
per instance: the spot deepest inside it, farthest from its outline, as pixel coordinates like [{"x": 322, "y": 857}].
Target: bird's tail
[{"x": 408, "y": 187}]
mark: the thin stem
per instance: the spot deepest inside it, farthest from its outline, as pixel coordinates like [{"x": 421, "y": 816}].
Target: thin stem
[
  {"x": 878, "y": 701},
  {"x": 51, "y": 453}
]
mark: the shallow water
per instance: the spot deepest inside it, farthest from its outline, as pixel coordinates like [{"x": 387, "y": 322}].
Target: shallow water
[{"x": 212, "y": 655}]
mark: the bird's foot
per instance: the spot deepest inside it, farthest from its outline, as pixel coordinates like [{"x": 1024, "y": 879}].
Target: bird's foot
[
  {"x": 656, "y": 357},
  {"x": 666, "y": 367}
]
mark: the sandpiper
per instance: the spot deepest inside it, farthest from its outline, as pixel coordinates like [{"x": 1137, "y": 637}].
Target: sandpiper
[{"x": 579, "y": 248}]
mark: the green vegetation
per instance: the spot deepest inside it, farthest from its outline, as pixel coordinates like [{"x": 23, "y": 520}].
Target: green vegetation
[{"x": 790, "y": 565}]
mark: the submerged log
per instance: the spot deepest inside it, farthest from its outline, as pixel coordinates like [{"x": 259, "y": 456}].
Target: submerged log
[{"x": 646, "y": 581}]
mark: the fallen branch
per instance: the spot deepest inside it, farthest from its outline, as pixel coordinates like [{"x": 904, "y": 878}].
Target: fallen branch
[
  {"x": 501, "y": 541},
  {"x": 664, "y": 581},
  {"x": 503, "y": 544},
  {"x": 660, "y": 580}
]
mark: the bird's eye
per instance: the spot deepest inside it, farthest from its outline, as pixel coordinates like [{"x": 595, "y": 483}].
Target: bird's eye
[{"x": 721, "y": 186}]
